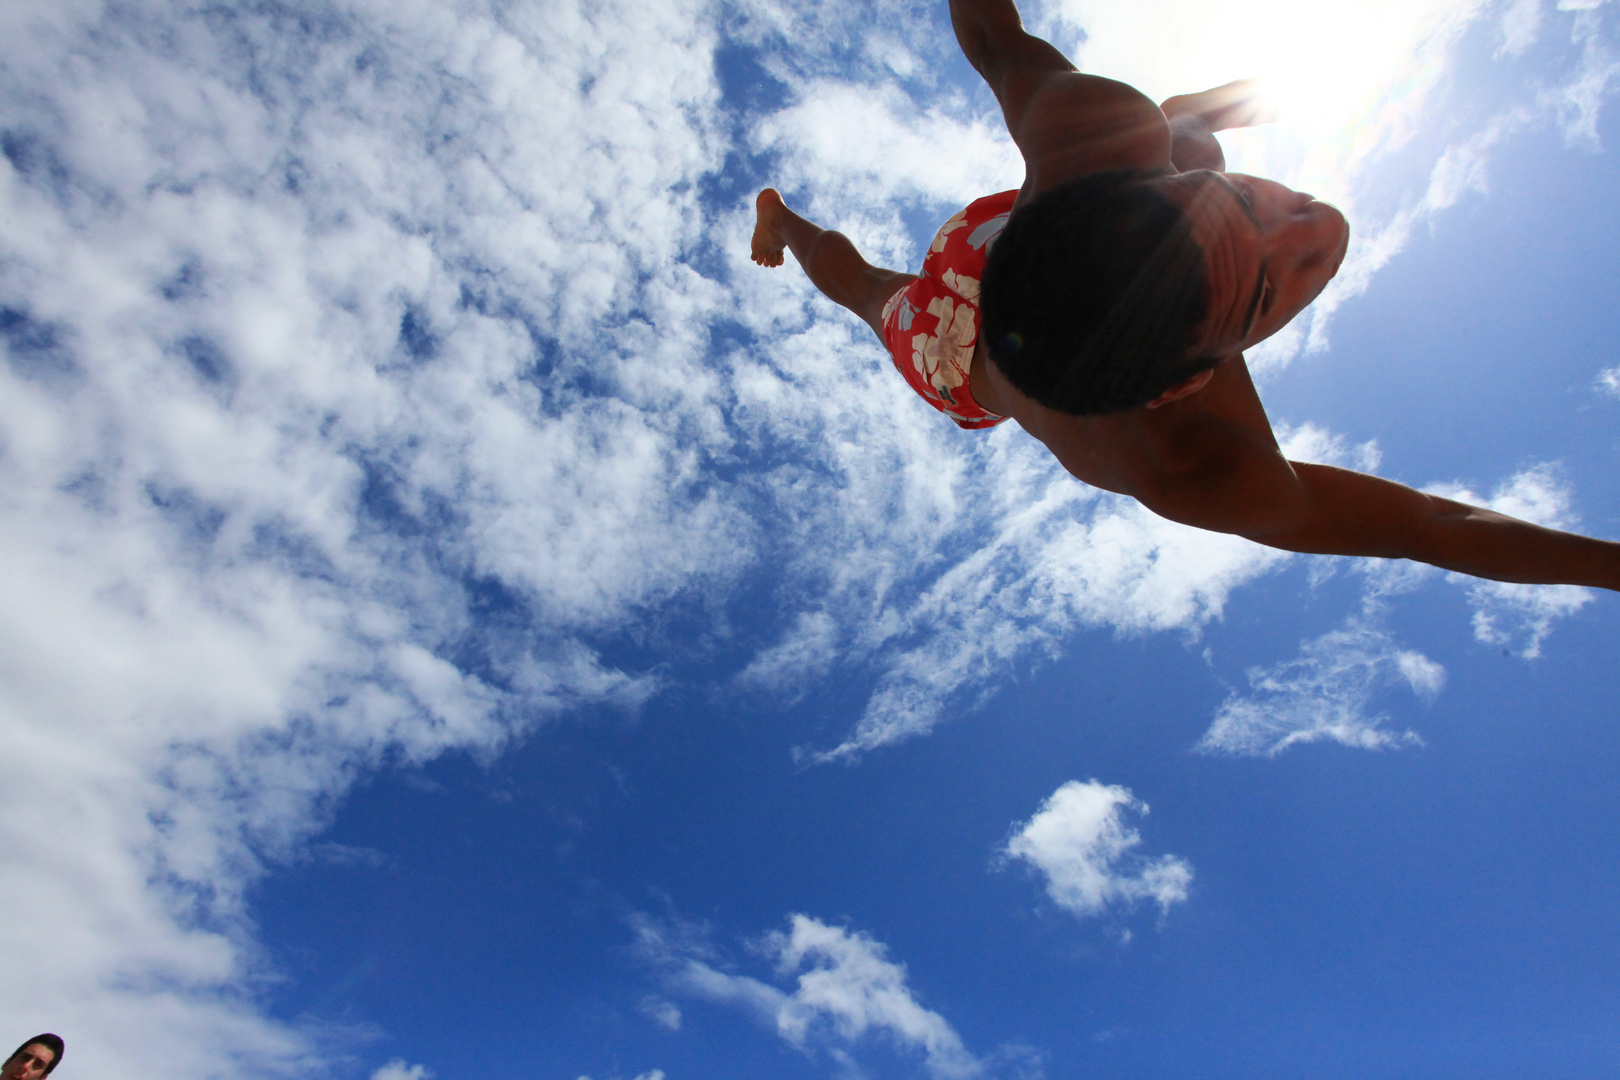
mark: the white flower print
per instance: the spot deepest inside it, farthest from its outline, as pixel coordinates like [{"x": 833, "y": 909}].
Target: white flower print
[
  {"x": 946, "y": 229},
  {"x": 962, "y": 285},
  {"x": 945, "y": 359}
]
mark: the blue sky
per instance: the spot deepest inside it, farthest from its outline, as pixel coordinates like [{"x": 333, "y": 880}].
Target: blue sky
[{"x": 461, "y": 617}]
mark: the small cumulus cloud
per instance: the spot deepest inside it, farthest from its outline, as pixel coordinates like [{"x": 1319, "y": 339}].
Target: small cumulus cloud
[
  {"x": 1080, "y": 843},
  {"x": 1314, "y": 443}
]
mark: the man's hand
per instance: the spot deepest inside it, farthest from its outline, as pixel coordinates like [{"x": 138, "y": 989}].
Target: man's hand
[
  {"x": 1194, "y": 119},
  {"x": 1234, "y": 105}
]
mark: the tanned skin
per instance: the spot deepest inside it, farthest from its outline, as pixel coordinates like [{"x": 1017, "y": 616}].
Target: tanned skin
[{"x": 1203, "y": 453}]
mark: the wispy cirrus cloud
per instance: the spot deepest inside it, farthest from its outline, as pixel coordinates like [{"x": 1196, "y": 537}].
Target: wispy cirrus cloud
[
  {"x": 1325, "y": 693},
  {"x": 844, "y": 992}
]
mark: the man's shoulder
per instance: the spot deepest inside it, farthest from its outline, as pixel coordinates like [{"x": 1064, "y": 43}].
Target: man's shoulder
[
  {"x": 1208, "y": 460},
  {"x": 1076, "y": 124}
]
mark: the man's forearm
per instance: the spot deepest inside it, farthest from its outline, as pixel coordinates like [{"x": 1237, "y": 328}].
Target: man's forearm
[
  {"x": 1012, "y": 61},
  {"x": 1484, "y": 543},
  {"x": 1363, "y": 515},
  {"x": 981, "y": 25}
]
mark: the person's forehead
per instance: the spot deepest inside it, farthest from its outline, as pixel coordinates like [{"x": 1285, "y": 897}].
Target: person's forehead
[
  {"x": 1224, "y": 225},
  {"x": 1206, "y": 189}
]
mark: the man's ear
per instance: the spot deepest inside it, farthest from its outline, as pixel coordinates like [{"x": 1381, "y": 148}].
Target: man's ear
[{"x": 1183, "y": 388}]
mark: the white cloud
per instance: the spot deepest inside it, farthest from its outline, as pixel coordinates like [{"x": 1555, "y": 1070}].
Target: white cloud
[
  {"x": 1315, "y": 444},
  {"x": 877, "y": 144},
  {"x": 1508, "y": 615},
  {"x": 398, "y": 1070},
  {"x": 1608, "y": 381},
  {"x": 666, "y": 1014},
  {"x": 1329, "y": 690},
  {"x": 270, "y": 434},
  {"x": 1325, "y": 693},
  {"x": 845, "y": 989},
  {"x": 1521, "y": 23},
  {"x": 1079, "y": 841}
]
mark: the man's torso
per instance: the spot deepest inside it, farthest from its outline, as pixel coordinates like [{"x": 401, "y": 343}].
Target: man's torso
[{"x": 1204, "y": 459}]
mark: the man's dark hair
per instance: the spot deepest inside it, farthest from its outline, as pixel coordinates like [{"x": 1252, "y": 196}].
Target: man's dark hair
[
  {"x": 1094, "y": 294},
  {"x": 53, "y": 1043}
]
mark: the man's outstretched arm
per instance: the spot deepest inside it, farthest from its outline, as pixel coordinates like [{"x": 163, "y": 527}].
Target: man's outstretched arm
[
  {"x": 1014, "y": 62},
  {"x": 1351, "y": 513},
  {"x": 1237, "y": 481},
  {"x": 1064, "y": 123},
  {"x": 1322, "y": 510}
]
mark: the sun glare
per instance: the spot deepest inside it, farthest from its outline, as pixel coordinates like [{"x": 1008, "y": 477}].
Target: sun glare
[{"x": 1346, "y": 78}]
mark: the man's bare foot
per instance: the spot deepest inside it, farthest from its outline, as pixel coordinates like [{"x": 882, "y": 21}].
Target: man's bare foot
[{"x": 768, "y": 243}]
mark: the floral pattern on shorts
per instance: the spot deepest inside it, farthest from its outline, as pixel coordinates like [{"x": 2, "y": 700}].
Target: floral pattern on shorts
[{"x": 932, "y": 325}]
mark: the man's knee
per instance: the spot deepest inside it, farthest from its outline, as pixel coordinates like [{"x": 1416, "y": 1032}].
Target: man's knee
[{"x": 880, "y": 287}]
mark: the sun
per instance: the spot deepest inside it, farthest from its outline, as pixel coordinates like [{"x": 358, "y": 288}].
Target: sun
[{"x": 1344, "y": 79}]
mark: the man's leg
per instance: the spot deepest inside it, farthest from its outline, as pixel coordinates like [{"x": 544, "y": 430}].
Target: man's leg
[{"x": 829, "y": 259}]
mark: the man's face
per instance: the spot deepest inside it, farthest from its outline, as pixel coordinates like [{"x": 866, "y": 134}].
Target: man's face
[
  {"x": 29, "y": 1063},
  {"x": 1269, "y": 250}
]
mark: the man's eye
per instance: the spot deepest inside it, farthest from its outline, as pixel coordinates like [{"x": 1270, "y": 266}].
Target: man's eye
[{"x": 1265, "y": 298}]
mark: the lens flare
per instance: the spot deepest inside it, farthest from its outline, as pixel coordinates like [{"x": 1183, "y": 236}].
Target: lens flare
[{"x": 1346, "y": 79}]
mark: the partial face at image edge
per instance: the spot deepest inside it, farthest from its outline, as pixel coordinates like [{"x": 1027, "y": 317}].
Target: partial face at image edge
[{"x": 29, "y": 1063}]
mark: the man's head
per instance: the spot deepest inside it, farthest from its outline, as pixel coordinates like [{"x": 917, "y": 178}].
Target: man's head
[
  {"x": 34, "y": 1058},
  {"x": 1106, "y": 292}
]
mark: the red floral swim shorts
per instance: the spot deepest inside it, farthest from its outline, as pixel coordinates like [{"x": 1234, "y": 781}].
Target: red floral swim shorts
[{"x": 932, "y": 325}]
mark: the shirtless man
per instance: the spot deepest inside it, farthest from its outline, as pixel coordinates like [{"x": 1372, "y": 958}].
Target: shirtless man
[{"x": 1128, "y": 275}]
